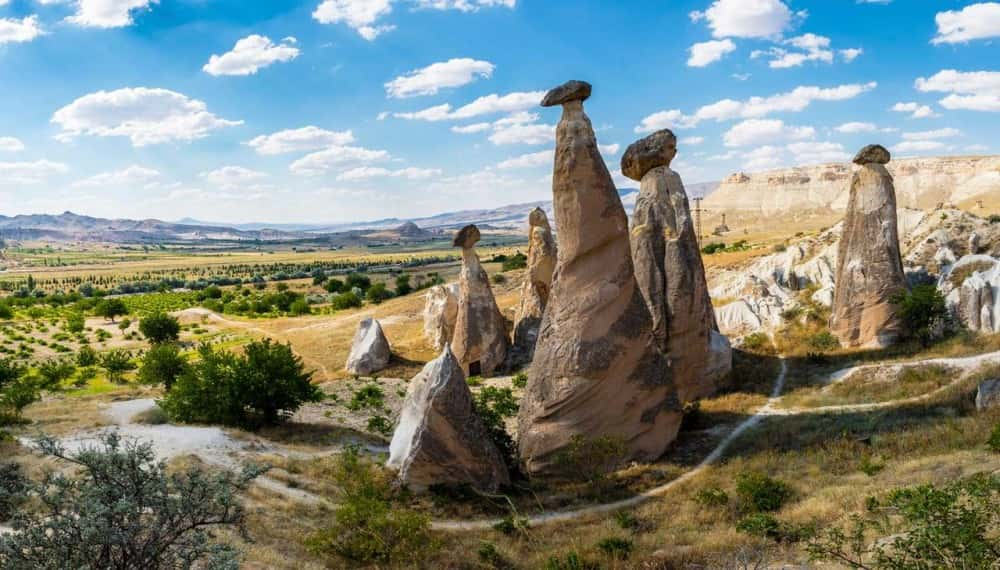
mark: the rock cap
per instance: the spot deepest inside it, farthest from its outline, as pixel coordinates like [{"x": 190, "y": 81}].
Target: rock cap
[
  {"x": 872, "y": 154},
  {"x": 658, "y": 149},
  {"x": 467, "y": 237},
  {"x": 570, "y": 91},
  {"x": 537, "y": 218}
]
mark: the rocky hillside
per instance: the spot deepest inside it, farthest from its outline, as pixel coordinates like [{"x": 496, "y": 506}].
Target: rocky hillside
[{"x": 921, "y": 183}]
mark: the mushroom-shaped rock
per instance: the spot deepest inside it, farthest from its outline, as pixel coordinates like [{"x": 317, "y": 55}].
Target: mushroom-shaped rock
[
  {"x": 570, "y": 91},
  {"x": 669, "y": 269},
  {"x": 597, "y": 372},
  {"x": 658, "y": 149},
  {"x": 440, "y": 314},
  {"x": 537, "y": 283},
  {"x": 988, "y": 395},
  {"x": 440, "y": 440},
  {"x": 370, "y": 351},
  {"x": 480, "y": 341},
  {"x": 869, "y": 266}
]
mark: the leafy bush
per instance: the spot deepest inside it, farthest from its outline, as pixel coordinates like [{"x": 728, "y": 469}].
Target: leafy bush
[
  {"x": 378, "y": 293},
  {"x": 520, "y": 380},
  {"x": 369, "y": 396},
  {"x": 334, "y": 286},
  {"x": 357, "y": 280},
  {"x": 160, "y": 521},
  {"x": 516, "y": 261},
  {"x": 616, "y": 547},
  {"x": 760, "y": 524},
  {"x": 53, "y": 373},
  {"x": 344, "y": 301},
  {"x": 712, "y": 497},
  {"x": 163, "y": 364},
  {"x": 494, "y": 405},
  {"x": 713, "y": 248},
  {"x": 370, "y": 528},
  {"x": 86, "y": 356},
  {"x": 591, "y": 460},
  {"x": 823, "y": 341},
  {"x": 380, "y": 425},
  {"x": 403, "y": 286},
  {"x": 159, "y": 328},
  {"x": 922, "y": 310},
  {"x": 757, "y": 342},
  {"x": 760, "y": 493},
  {"x": 6, "y": 312},
  {"x": 116, "y": 363},
  {"x": 299, "y": 307},
  {"x": 572, "y": 561},
  {"x": 75, "y": 323}
]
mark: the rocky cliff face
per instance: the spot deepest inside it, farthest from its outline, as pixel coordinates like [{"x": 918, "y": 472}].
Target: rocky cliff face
[{"x": 921, "y": 183}]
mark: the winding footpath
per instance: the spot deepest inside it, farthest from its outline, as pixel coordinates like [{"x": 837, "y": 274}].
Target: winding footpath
[{"x": 965, "y": 364}]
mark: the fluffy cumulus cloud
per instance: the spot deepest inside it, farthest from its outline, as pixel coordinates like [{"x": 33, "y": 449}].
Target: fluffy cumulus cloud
[
  {"x": 974, "y": 22},
  {"x": 11, "y": 144},
  {"x": 746, "y": 18},
  {"x": 531, "y": 160},
  {"x": 13, "y": 30},
  {"x": 818, "y": 152},
  {"x": 108, "y": 13},
  {"x": 34, "y": 172},
  {"x": 304, "y": 139},
  {"x": 487, "y": 105},
  {"x": 765, "y": 131},
  {"x": 334, "y": 157},
  {"x": 797, "y": 51},
  {"x": 753, "y": 108},
  {"x": 763, "y": 158},
  {"x": 471, "y": 129},
  {"x": 146, "y": 116},
  {"x": 364, "y": 16},
  {"x": 916, "y": 110},
  {"x": 970, "y": 91},
  {"x": 251, "y": 54},
  {"x": 850, "y": 54},
  {"x": 128, "y": 177},
  {"x": 523, "y": 133},
  {"x": 233, "y": 177},
  {"x": 442, "y": 75},
  {"x": 856, "y": 127},
  {"x": 368, "y": 172},
  {"x": 705, "y": 53}
]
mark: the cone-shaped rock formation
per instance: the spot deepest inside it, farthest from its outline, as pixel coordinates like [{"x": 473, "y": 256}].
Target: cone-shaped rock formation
[
  {"x": 440, "y": 314},
  {"x": 440, "y": 440},
  {"x": 480, "y": 342},
  {"x": 537, "y": 282},
  {"x": 869, "y": 266},
  {"x": 370, "y": 352},
  {"x": 597, "y": 372},
  {"x": 670, "y": 272}
]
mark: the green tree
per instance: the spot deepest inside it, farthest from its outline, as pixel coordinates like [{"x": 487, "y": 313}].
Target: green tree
[
  {"x": 124, "y": 511},
  {"x": 923, "y": 310},
  {"x": 53, "y": 373},
  {"x": 116, "y": 363},
  {"x": 334, "y": 286},
  {"x": 378, "y": 293},
  {"x": 86, "y": 356},
  {"x": 110, "y": 308},
  {"x": 344, "y": 301},
  {"x": 76, "y": 322},
  {"x": 403, "y": 286},
  {"x": 159, "y": 328},
  {"x": 162, "y": 364},
  {"x": 5, "y": 311}
]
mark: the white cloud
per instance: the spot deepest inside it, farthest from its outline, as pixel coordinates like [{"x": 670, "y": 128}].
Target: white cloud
[
  {"x": 972, "y": 91},
  {"x": 30, "y": 172},
  {"x": 324, "y": 160},
  {"x": 932, "y": 135},
  {"x": 487, "y": 105},
  {"x": 299, "y": 140},
  {"x": 464, "y": 5},
  {"x": 132, "y": 176},
  {"x": 251, "y": 54},
  {"x": 532, "y": 160},
  {"x": 233, "y": 177},
  {"x": 146, "y": 116},
  {"x": 856, "y": 127},
  {"x": 13, "y": 30},
  {"x": 850, "y": 54},
  {"x": 919, "y": 146},
  {"x": 692, "y": 140},
  {"x": 368, "y": 172},
  {"x": 974, "y": 22},
  {"x": 814, "y": 48},
  {"x": 523, "y": 134},
  {"x": 431, "y": 79},
  {"x": 765, "y": 131},
  {"x": 916, "y": 110},
  {"x": 818, "y": 152},
  {"x": 746, "y": 18},
  {"x": 763, "y": 158},
  {"x": 10, "y": 144},
  {"x": 108, "y": 13},
  {"x": 360, "y": 15},
  {"x": 976, "y": 148},
  {"x": 470, "y": 129},
  {"x": 609, "y": 149},
  {"x": 705, "y": 53},
  {"x": 756, "y": 107}
]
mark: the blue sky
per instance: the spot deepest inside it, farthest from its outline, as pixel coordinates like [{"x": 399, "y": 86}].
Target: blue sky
[{"x": 333, "y": 110}]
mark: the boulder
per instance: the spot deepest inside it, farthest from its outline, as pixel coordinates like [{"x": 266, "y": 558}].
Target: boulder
[
  {"x": 480, "y": 341},
  {"x": 440, "y": 314},
  {"x": 988, "y": 395},
  {"x": 668, "y": 265},
  {"x": 537, "y": 283},
  {"x": 869, "y": 265},
  {"x": 440, "y": 439},
  {"x": 370, "y": 352},
  {"x": 597, "y": 372}
]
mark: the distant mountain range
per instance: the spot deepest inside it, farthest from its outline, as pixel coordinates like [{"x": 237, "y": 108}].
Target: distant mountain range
[{"x": 70, "y": 227}]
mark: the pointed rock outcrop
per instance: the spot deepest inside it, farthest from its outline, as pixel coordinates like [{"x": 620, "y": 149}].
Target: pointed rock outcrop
[
  {"x": 597, "y": 371},
  {"x": 869, "y": 265},
  {"x": 670, "y": 272},
  {"x": 440, "y": 314},
  {"x": 440, "y": 440},
  {"x": 537, "y": 283},
  {"x": 480, "y": 342},
  {"x": 370, "y": 351}
]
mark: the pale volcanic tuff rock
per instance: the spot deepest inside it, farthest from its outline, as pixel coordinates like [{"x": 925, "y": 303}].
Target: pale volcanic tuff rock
[
  {"x": 537, "y": 282},
  {"x": 440, "y": 314},
  {"x": 597, "y": 371},
  {"x": 869, "y": 265},
  {"x": 370, "y": 351},
  {"x": 974, "y": 302},
  {"x": 480, "y": 341},
  {"x": 669, "y": 269},
  {"x": 440, "y": 439},
  {"x": 988, "y": 395}
]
